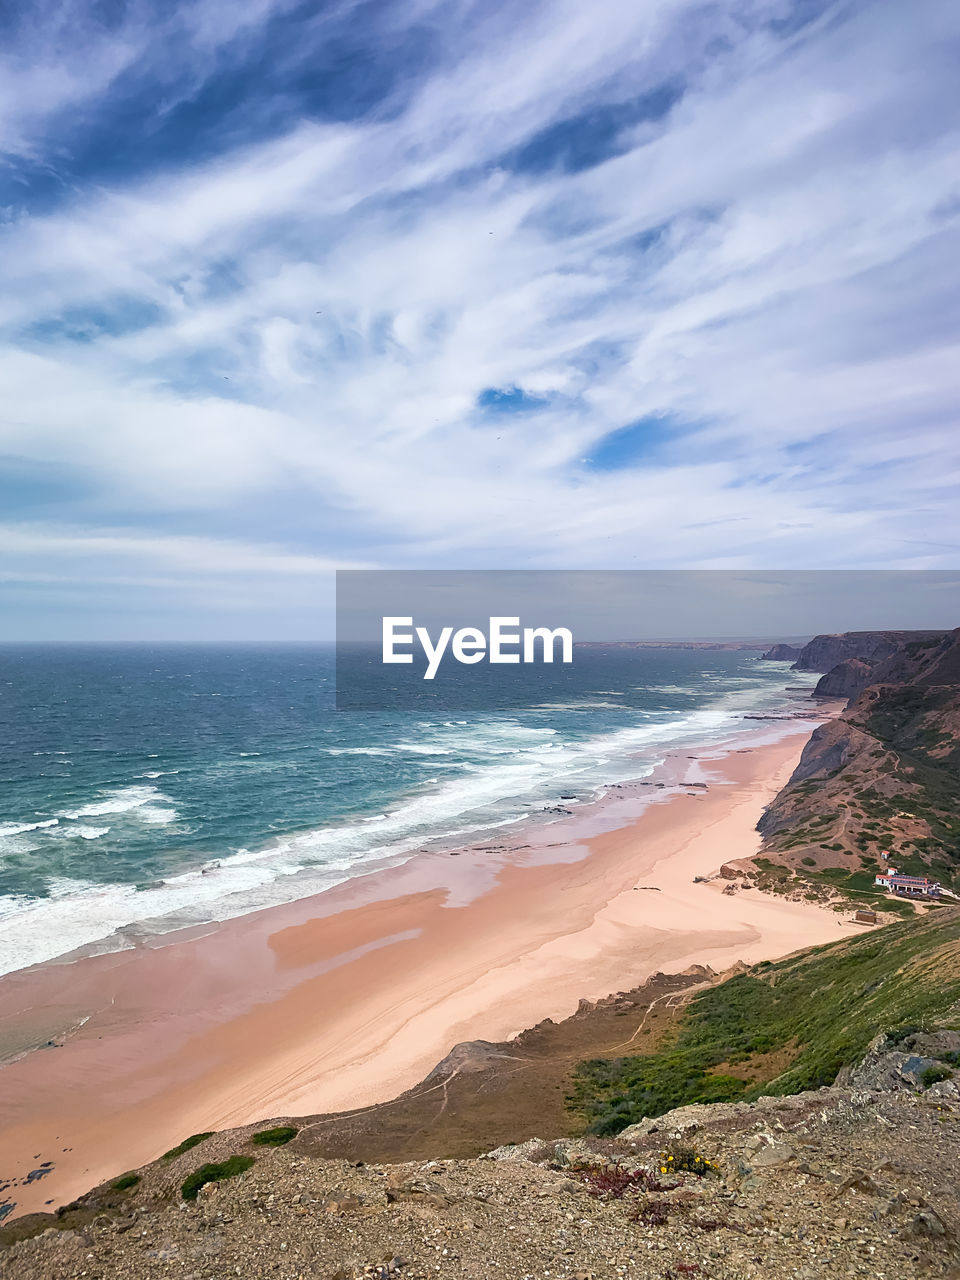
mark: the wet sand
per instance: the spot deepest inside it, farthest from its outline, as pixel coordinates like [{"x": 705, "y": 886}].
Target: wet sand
[{"x": 348, "y": 998}]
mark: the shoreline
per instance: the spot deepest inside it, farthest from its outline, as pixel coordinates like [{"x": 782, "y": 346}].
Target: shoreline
[
  {"x": 114, "y": 916},
  {"x": 349, "y": 998}
]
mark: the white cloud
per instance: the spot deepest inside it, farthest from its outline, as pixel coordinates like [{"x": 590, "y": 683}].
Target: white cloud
[
  {"x": 191, "y": 556},
  {"x": 321, "y": 310}
]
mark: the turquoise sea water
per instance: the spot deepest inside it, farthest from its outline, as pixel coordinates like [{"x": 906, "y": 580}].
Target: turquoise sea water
[{"x": 145, "y": 787}]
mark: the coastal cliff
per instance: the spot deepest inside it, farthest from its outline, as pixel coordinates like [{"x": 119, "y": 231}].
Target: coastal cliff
[
  {"x": 846, "y": 679},
  {"x": 824, "y": 652},
  {"x": 923, "y": 659},
  {"x": 783, "y": 653},
  {"x": 884, "y": 776}
]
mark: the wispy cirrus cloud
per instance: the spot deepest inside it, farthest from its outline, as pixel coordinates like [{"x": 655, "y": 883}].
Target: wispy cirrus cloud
[{"x": 486, "y": 285}]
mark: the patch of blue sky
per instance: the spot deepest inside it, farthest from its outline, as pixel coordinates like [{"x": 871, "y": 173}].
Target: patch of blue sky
[
  {"x": 30, "y": 489},
  {"x": 217, "y": 280},
  {"x": 750, "y": 479},
  {"x": 598, "y": 358},
  {"x": 174, "y": 106},
  {"x": 88, "y": 324},
  {"x": 293, "y": 514},
  {"x": 811, "y": 448},
  {"x": 207, "y": 371},
  {"x": 803, "y": 13},
  {"x": 645, "y": 241},
  {"x": 29, "y": 184},
  {"x": 563, "y": 218},
  {"x": 594, "y": 135},
  {"x": 635, "y": 443},
  {"x": 497, "y": 401}
]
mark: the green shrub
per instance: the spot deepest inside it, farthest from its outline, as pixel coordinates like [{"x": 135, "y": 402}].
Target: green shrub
[
  {"x": 125, "y": 1183},
  {"x": 214, "y": 1173},
  {"x": 187, "y": 1145},
  {"x": 933, "y": 1075},
  {"x": 809, "y": 862},
  {"x": 275, "y": 1137}
]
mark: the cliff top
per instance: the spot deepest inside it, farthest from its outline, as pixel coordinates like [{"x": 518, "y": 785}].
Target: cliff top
[{"x": 839, "y": 1182}]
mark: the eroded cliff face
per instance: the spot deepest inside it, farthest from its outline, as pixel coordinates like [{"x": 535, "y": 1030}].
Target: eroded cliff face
[
  {"x": 883, "y": 776},
  {"x": 929, "y": 658},
  {"x": 825, "y": 651},
  {"x": 846, "y": 679},
  {"x": 783, "y": 653}
]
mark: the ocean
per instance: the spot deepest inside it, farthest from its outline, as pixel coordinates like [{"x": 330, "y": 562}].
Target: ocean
[{"x": 148, "y": 787}]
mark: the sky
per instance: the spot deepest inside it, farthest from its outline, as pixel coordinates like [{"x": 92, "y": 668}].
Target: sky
[{"x": 289, "y": 287}]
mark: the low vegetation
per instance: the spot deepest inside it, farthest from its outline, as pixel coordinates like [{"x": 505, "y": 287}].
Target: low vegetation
[
  {"x": 837, "y": 886},
  {"x": 782, "y": 1027},
  {"x": 127, "y": 1182},
  {"x": 933, "y": 1075},
  {"x": 187, "y": 1145},
  {"x": 229, "y": 1168},
  {"x": 277, "y": 1137}
]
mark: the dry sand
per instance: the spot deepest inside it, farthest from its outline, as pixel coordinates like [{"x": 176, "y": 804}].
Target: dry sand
[{"x": 350, "y": 997}]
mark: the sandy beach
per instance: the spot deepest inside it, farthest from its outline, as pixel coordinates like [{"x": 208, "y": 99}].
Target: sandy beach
[{"x": 350, "y": 997}]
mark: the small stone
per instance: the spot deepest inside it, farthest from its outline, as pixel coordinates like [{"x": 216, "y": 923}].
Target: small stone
[
  {"x": 773, "y": 1156},
  {"x": 928, "y": 1223},
  {"x": 859, "y": 1181},
  {"x": 342, "y": 1204}
]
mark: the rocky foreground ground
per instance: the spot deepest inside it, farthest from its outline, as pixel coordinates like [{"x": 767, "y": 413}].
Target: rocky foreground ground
[{"x": 860, "y": 1180}]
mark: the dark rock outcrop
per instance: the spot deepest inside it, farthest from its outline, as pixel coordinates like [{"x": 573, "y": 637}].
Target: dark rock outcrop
[
  {"x": 825, "y": 651},
  {"x": 846, "y": 679},
  {"x": 911, "y": 1064},
  {"x": 782, "y": 653},
  {"x": 929, "y": 659}
]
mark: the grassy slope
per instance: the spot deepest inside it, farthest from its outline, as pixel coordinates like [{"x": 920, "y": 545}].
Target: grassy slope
[
  {"x": 922, "y": 725},
  {"x": 886, "y": 776},
  {"x": 786, "y": 1026}
]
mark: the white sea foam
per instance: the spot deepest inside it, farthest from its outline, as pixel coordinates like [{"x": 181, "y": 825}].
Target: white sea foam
[
  {"x": 509, "y": 771},
  {"x": 142, "y": 804},
  {"x": 16, "y": 829},
  {"x": 158, "y": 817},
  {"x": 20, "y": 838},
  {"x": 124, "y": 800}
]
